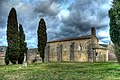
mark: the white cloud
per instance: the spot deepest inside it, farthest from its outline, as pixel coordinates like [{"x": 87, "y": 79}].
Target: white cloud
[
  {"x": 63, "y": 18},
  {"x": 64, "y": 14},
  {"x": 103, "y": 34}
]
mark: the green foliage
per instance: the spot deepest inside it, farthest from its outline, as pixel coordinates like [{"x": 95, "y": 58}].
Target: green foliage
[
  {"x": 61, "y": 71},
  {"x": 117, "y": 53},
  {"x": 6, "y": 57},
  {"x": 22, "y": 45},
  {"x": 114, "y": 14},
  {"x": 12, "y": 36},
  {"x": 42, "y": 38}
]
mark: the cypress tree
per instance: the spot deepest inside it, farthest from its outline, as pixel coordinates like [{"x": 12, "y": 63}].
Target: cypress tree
[
  {"x": 114, "y": 14},
  {"x": 12, "y": 36},
  {"x": 42, "y": 38},
  {"x": 6, "y": 57},
  {"x": 22, "y": 45}
]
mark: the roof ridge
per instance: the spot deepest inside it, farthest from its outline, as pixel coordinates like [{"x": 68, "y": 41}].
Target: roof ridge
[{"x": 74, "y": 38}]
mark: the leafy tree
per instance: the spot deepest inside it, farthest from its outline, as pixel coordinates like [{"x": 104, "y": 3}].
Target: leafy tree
[
  {"x": 6, "y": 57},
  {"x": 22, "y": 45},
  {"x": 12, "y": 36},
  {"x": 42, "y": 38},
  {"x": 114, "y": 14}
]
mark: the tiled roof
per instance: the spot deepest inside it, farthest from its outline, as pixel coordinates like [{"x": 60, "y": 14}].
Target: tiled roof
[
  {"x": 99, "y": 47},
  {"x": 104, "y": 45},
  {"x": 69, "y": 39}
]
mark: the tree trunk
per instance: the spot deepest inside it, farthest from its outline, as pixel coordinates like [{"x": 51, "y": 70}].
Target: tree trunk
[
  {"x": 117, "y": 53},
  {"x": 13, "y": 62},
  {"x": 42, "y": 60}
]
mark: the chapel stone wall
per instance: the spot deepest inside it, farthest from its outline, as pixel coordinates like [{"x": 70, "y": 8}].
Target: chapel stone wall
[{"x": 75, "y": 50}]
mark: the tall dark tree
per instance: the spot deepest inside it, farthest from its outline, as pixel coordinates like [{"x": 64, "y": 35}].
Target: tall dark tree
[
  {"x": 42, "y": 38},
  {"x": 6, "y": 57},
  {"x": 22, "y": 45},
  {"x": 12, "y": 36},
  {"x": 114, "y": 14}
]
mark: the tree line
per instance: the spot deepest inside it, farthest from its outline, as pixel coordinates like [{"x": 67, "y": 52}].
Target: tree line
[{"x": 17, "y": 47}]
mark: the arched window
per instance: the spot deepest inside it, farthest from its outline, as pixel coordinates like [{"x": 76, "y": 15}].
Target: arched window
[
  {"x": 80, "y": 46},
  {"x": 96, "y": 54}
]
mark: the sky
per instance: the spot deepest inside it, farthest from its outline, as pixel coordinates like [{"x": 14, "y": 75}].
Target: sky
[{"x": 64, "y": 18}]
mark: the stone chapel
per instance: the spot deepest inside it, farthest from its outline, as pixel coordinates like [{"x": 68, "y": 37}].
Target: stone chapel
[{"x": 78, "y": 49}]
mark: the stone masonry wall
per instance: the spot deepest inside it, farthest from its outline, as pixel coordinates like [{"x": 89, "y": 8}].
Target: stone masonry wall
[{"x": 76, "y": 50}]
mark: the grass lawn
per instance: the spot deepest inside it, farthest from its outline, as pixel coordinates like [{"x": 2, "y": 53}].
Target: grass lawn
[{"x": 61, "y": 71}]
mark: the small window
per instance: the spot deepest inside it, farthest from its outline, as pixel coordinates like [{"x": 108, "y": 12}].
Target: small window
[
  {"x": 96, "y": 53},
  {"x": 80, "y": 47}
]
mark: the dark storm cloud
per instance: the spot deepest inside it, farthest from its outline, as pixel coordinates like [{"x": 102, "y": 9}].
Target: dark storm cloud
[
  {"x": 46, "y": 8},
  {"x": 83, "y": 15},
  {"x": 2, "y": 1},
  {"x": 64, "y": 18},
  {"x": 2, "y": 14}
]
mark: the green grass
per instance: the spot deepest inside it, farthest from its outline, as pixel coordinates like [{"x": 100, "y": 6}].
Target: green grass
[{"x": 61, "y": 71}]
